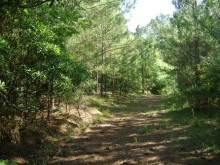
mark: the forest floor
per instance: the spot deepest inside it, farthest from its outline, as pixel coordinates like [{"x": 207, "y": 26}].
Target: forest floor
[{"x": 140, "y": 130}]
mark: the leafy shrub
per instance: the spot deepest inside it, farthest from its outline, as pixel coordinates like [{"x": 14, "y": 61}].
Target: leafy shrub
[{"x": 7, "y": 162}]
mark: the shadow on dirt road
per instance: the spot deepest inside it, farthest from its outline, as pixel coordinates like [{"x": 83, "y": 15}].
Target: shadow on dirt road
[{"x": 135, "y": 134}]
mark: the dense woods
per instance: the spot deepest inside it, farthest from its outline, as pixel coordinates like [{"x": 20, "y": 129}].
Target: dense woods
[{"x": 54, "y": 51}]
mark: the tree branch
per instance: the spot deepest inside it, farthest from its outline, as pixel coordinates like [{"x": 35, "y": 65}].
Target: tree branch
[{"x": 19, "y": 5}]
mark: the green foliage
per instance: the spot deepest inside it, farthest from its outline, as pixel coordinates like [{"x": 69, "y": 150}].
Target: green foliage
[
  {"x": 146, "y": 129},
  {"x": 83, "y": 125},
  {"x": 210, "y": 89},
  {"x": 58, "y": 53},
  {"x": 7, "y": 162},
  {"x": 200, "y": 127},
  {"x": 157, "y": 86},
  {"x": 96, "y": 102},
  {"x": 35, "y": 67},
  {"x": 189, "y": 46},
  {"x": 118, "y": 60},
  {"x": 105, "y": 112},
  {"x": 2, "y": 86},
  {"x": 98, "y": 119}
]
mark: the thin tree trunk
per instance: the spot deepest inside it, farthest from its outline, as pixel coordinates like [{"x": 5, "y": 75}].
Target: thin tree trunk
[
  {"x": 97, "y": 82},
  {"x": 142, "y": 75},
  {"x": 120, "y": 88},
  {"x": 102, "y": 74},
  {"x": 196, "y": 54},
  {"x": 102, "y": 85},
  {"x": 197, "y": 62},
  {"x": 106, "y": 79},
  {"x": 50, "y": 98},
  {"x": 113, "y": 85}
]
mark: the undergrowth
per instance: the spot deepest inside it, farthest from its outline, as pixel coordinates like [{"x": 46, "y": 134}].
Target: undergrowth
[
  {"x": 146, "y": 129},
  {"x": 7, "y": 162},
  {"x": 100, "y": 103},
  {"x": 100, "y": 118},
  {"x": 96, "y": 102},
  {"x": 201, "y": 127}
]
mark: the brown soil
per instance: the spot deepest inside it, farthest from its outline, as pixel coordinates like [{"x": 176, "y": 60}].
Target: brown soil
[{"x": 119, "y": 140}]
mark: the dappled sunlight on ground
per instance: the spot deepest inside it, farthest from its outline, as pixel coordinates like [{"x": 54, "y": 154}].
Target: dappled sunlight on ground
[
  {"x": 118, "y": 140},
  {"x": 137, "y": 133}
]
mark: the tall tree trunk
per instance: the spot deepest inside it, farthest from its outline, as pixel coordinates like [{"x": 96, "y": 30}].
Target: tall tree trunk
[
  {"x": 106, "y": 83},
  {"x": 113, "y": 80},
  {"x": 113, "y": 85},
  {"x": 97, "y": 82},
  {"x": 50, "y": 98},
  {"x": 102, "y": 85},
  {"x": 196, "y": 45},
  {"x": 102, "y": 72},
  {"x": 196, "y": 55},
  {"x": 197, "y": 62},
  {"x": 121, "y": 86},
  {"x": 142, "y": 77}
]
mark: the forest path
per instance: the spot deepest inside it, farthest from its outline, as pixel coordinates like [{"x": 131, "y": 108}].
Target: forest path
[{"x": 136, "y": 133}]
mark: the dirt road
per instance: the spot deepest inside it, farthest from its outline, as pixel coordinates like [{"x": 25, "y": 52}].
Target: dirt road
[{"x": 135, "y": 134}]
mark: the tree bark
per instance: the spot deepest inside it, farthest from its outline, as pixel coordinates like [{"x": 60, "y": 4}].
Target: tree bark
[
  {"x": 106, "y": 84},
  {"x": 50, "y": 98},
  {"x": 142, "y": 75},
  {"x": 97, "y": 82}
]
